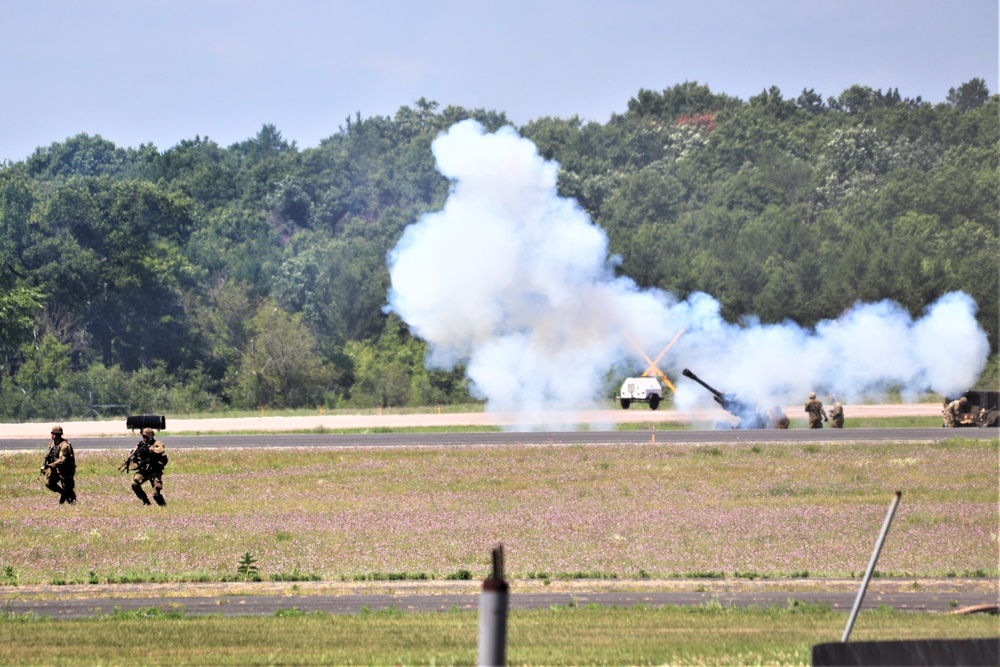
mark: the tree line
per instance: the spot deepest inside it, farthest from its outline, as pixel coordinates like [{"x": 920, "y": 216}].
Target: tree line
[{"x": 203, "y": 278}]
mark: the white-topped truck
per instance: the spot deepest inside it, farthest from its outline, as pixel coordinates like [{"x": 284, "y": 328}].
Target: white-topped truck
[
  {"x": 641, "y": 390},
  {"x": 647, "y": 388}
]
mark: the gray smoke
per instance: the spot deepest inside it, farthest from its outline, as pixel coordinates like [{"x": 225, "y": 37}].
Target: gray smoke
[{"x": 516, "y": 282}]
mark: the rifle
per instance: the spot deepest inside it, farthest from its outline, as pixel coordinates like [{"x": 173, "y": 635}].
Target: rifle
[
  {"x": 139, "y": 456},
  {"x": 50, "y": 456}
]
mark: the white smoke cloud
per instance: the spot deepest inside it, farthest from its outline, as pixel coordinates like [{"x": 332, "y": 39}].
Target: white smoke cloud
[{"x": 516, "y": 282}]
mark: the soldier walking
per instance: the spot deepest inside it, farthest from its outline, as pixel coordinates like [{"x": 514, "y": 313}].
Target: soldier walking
[
  {"x": 150, "y": 461},
  {"x": 59, "y": 467},
  {"x": 836, "y": 414},
  {"x": 817, "y": 415}
]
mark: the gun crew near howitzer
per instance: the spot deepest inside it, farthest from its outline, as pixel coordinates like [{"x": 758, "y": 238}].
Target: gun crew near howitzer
[
  {"x": 976, "y": 408},
  {"x": 973, "y": 408}
]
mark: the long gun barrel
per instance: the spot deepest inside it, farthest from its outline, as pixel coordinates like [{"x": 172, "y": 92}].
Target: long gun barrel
[
  {"x": 748, "y": 414},
  {"x": 716, "y": 394}
]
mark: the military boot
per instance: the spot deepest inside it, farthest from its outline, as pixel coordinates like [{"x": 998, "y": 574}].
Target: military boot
[
  {"x": 160, "y": 500},
  {"x": 140, "y": 494}
]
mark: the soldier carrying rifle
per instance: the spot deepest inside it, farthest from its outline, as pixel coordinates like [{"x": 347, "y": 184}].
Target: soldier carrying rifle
[
  {"x": 59, "y": 467},
  {"x": 149, "y": 460}
]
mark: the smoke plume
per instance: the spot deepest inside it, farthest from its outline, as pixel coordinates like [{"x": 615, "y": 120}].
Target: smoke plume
[{"x": 516, "y": 282}]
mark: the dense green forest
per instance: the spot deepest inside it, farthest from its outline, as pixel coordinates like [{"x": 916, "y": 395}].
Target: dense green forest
[{"x": 205, "y": 277}]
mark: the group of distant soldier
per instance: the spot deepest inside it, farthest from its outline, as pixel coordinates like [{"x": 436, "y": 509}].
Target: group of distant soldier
[
  {"x": 776, "y": 418},
  {"x": 818, "y": 415},
  {"x": 148, "y": 457}
]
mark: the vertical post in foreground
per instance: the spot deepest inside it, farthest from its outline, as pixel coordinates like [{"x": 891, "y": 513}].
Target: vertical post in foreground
[
  {"x": 871, "y": 566},
  {"x": 493, "y": 616}
]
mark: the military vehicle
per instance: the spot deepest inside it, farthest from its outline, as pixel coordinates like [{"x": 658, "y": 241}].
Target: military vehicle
[
  {"x": 982, "y": 409},
  {"x": 641, "y": 390},
  {"x": 646, "y": 388}
]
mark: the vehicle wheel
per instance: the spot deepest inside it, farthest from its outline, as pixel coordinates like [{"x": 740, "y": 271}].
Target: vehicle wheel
[
  {"x": 654, "y": 402},
  {"x": 625, "y": 403}
]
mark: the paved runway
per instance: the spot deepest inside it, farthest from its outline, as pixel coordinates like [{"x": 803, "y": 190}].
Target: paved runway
[
  {"x": 941, "y": 598},
  {"x": 713, "y": 437}
]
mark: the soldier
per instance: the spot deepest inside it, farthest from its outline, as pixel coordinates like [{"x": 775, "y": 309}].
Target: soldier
[
  {"x": 59, "y": 467},
  {"x": 953, "y": 412},
  {"x": 817, "y": 415},
  {"x": 836, "y": 414},
  {"x": 777, "y": 418},
  {"x": 150, "y": 460}
]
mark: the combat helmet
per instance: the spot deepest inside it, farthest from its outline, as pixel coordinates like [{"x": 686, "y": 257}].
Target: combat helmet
[
  {"x": 57, "y": 430},
  {"x": 148, "y": 432}
]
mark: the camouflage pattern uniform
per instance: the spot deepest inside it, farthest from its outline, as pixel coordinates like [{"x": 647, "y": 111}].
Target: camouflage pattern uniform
[
  {"x": 817, "y": 415},
  {"x": 59, "y": 467},
  {"x": 836, "y": 414},
  {"x": 777, "y": 418},
  {"x": 151, "y": 464},
  {"x": 953, "y": 412}
]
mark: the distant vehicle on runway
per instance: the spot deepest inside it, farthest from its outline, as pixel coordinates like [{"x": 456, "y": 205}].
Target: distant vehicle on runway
[
  {"x": 641, "y": 390},
  {"x": 647, "y": 388}
]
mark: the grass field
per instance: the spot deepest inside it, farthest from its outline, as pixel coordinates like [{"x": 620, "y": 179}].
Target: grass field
[
  {"x": 557, "y": 636},
  {"x": 649, "y": 511},
  {"x": 608, "y": 511}
]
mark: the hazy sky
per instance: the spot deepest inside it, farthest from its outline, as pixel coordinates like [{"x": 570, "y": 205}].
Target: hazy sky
[{"x": 161, "y": 71}]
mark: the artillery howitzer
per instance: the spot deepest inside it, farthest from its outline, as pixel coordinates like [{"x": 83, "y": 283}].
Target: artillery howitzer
[{"x": 749, "y": 415}]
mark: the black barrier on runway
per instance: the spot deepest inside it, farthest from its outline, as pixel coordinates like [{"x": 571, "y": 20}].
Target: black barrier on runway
[
  {"x": 909, "y": 653},
  {"x": 155, "y": 422}
]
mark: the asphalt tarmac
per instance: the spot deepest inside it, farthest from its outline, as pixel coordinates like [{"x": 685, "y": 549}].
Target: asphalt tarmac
[
  {"x": 938, "y": 596},
  {"x": 645, "y": 436}
]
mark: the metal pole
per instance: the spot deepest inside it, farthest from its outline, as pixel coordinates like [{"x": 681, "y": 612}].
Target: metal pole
[
  {"x": 871, "y": 566},
  {"x": 493, "y": 604}
]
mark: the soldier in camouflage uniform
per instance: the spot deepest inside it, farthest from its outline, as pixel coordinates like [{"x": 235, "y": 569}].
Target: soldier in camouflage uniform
[
  {"x": 954, "y": 412},
  {"x": 150, "y": 459},
  {"x": 817, "y": 415},
  {"x": 59, "y": 467},
  {"x": 777, "y": 418},
  {"x": 836, "y": 414}
]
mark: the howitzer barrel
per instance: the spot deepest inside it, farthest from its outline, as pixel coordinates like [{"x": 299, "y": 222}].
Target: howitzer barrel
[{"x": 715, "y": 392}]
